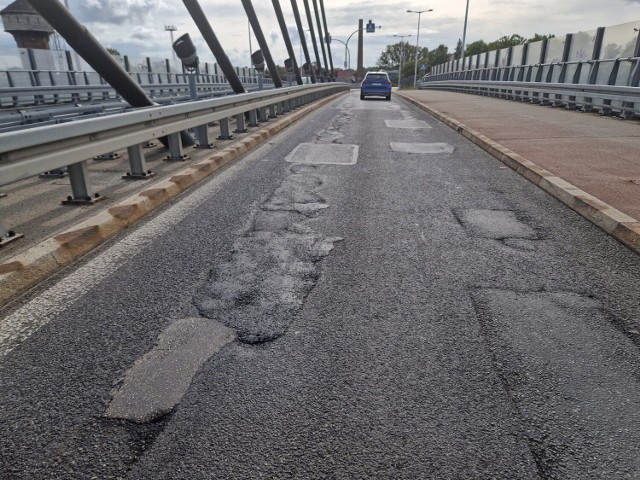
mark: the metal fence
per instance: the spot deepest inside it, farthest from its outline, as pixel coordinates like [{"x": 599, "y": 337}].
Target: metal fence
[
  {"x": 596, "y": 70},
  {"x": 46, "y": 77}
]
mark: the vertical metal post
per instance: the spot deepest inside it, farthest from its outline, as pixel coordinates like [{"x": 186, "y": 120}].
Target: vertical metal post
[
  {"x": 272, "y": 111},
  {"x": 253, "y": 118},
  {"x": 176, "y": 152},
  {"x": 81, "y": 191},
  {"x": 202, "y": 132},
  {"x": 193, "y": 89},
  {"x": 240, "y": 128},
  {"x": 137, "y": 164},
  {"x": 464, "y": 31},
  {"x": 224, "y": 130},
  {"x": 262, "y": 114}
]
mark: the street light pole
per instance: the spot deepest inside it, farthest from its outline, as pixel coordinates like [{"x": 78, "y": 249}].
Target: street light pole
[
  {"x": 415, "y": 73},
  {"x": 401, "y": 57},
  {"x": 464, "y": 33},
  {"x": 347, "y": 53},
  {"x": 346, "y": 45}
]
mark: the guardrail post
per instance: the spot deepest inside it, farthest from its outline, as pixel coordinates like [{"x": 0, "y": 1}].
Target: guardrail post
[
  {"x": 280, "y": 106},
  {"x": 272, "y": 111},
  {"x": 176, "y": 152},
  {"x": 240, "y": 128},
  {"x": 202, "y": 132},
  {"x": 81, "y": 191},
  {"x": 253, "y": 118},
  {"x": 137, "y": 164},
  {"x": 262, "y": 114},
  {"x": 224, "y": 130}
]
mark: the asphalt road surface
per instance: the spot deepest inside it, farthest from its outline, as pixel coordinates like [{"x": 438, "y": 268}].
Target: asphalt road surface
[{"x": 369, "y": 295}]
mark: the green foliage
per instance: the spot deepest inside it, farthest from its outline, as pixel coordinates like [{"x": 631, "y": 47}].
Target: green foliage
[
  {"x": 506, "y": 41},
  {"x": 458, "y": 52},
  {"x": 113, "y": 51},
  {"x": 438, "y": 55},
  {"x": 479, "y": 46},
  {"x": 537, "y": 37},
  {"x": 390, "y": 58}
]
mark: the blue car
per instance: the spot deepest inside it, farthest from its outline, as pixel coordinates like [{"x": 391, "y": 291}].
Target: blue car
[{"x": 376, "y": 83}]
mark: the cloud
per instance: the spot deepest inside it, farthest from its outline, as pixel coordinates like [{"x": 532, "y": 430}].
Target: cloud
[
  {"x": 143, "y": 33},
  {"x": 118, "y": 12}
]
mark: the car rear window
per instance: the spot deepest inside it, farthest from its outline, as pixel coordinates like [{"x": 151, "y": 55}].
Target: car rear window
[{"x": 377, "y": 76}]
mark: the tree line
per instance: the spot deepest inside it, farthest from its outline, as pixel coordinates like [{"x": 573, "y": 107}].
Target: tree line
[{"x": 405, "y": 53}]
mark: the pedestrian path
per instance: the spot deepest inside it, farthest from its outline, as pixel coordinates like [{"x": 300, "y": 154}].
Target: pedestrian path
[{"x": 588, "y": 161}]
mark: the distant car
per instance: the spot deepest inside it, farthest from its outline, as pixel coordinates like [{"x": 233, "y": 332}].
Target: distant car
[{"x": 376, "y": 83}]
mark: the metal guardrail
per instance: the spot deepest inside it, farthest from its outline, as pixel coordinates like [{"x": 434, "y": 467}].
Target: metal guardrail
[
  {"x": 28, "y": 153},
  {"x": 603, "y": 98},
  {"x": 22, "y": 96},
  {"x": 606, "y": 86}
]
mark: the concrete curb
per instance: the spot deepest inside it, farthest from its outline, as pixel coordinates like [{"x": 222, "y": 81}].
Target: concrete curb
[
  {"x": 622, "y": 227},
  {"x": 25, "y": 270}
]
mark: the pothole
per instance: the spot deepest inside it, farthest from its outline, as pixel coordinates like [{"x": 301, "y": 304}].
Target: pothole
[{"x": 494, "y": 224}]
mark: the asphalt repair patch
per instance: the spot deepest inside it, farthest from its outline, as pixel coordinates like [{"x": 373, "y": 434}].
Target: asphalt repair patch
[
  {"x": 572, "y": 377},
  {"x": 272, "y": 267}
]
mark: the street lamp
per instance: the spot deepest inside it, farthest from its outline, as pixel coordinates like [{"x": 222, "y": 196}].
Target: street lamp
[
  {"x": 346, "y": 44},
  {"x": 464, "y": 33},
  {"x": 419, "y": 12},
  {"x": 347, "y": 53},
  {"x": 401, "y": 57}
]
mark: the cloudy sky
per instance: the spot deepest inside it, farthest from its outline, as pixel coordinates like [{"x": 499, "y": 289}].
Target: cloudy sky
[{"x": 137, "y": 27}]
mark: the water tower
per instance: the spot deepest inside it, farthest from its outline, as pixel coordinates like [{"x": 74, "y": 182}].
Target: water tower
[{"x": 26, "y": 25}]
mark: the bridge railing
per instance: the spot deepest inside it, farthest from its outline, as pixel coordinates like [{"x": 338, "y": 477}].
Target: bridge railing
[
  {"x": 604, "y": 86},
  {"x": 570, "y": 71},
  {"x": 30, "y": 152},
  {"x": 21, "y": 88},
  {"x": 26, "y": 75}
]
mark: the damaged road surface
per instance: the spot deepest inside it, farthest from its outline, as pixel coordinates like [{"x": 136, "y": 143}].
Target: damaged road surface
[{"x": 367, "y": 296}]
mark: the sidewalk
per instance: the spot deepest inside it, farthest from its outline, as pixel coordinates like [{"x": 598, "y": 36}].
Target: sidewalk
[{"x": 552, "y": 146}]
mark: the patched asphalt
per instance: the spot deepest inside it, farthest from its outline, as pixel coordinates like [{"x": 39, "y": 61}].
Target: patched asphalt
[{"x": 396, "y": 318}]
